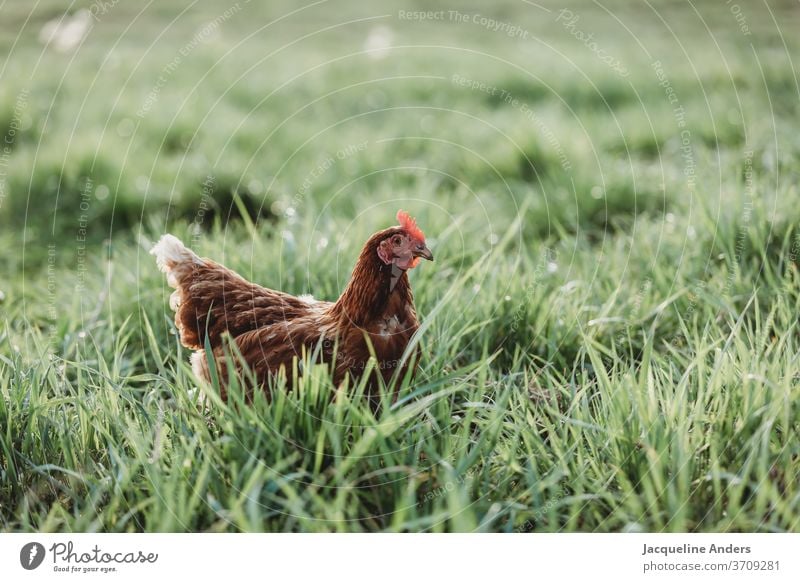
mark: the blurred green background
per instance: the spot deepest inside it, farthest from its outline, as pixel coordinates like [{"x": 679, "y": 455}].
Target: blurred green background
[{"x": 150, "y": 99}]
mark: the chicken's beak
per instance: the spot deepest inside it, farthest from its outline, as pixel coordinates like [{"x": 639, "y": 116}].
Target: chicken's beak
[{"x": 424, "y": 252}]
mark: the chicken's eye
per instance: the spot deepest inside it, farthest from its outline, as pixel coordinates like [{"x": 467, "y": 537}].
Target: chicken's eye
[{"x": 396, "y": 241}]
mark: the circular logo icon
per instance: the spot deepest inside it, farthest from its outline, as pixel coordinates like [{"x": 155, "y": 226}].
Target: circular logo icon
[{"x": 31, "y": 555}]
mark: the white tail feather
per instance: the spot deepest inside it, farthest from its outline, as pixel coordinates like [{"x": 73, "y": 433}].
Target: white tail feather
[{"x": 169, "y": 251}]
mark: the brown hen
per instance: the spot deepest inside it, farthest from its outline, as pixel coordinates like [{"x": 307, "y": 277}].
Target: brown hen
[{"x": 271, "y": 328}]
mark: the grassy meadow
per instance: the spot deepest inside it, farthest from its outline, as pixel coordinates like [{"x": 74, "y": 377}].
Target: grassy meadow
[{"x": 610, "y": 336}]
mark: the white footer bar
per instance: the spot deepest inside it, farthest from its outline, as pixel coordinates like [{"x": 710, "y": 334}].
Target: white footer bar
[{"x": 389, "y": 557}]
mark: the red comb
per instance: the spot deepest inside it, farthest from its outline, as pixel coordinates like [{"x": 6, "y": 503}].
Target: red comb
[{"x": 410, "y": 225}]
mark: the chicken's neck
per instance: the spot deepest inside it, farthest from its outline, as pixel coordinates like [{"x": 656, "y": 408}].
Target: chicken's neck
[{"x": 375, "y": 291}]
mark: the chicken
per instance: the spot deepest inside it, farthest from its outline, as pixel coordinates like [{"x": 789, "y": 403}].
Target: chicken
[{"x": 271, "y": 328}]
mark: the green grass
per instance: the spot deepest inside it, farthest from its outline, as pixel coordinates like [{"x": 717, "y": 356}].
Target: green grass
[{"x": 609, "y": 344}]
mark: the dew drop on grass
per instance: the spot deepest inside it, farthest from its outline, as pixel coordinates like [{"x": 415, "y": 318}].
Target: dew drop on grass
[
  {"x": 255, "y": 186},
  {"x": 378, "y": 42},
  {"x": 125, "y": 127},
  {"x": 288, "y": 239}
]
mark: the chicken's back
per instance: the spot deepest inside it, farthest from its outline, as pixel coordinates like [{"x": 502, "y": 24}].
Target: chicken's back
[{"x": 210, "y": 299}]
